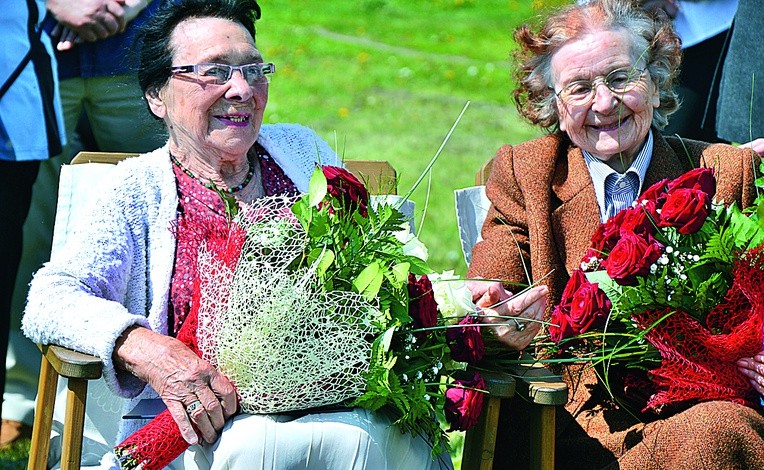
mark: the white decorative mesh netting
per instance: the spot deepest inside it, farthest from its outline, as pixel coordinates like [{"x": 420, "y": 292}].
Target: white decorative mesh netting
[{"x": 284, "y": 342}]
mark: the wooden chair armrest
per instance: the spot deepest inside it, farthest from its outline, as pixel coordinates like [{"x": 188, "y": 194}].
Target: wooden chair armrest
[{"x": 71, "y": 364}]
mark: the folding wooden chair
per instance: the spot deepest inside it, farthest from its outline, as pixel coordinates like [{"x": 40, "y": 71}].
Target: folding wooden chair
[{"x": 78, "y": 368}]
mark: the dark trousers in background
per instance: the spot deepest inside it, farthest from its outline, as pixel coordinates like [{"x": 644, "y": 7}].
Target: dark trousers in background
[
  {"x": 698, "y": 88},
  {"x": 16, "y": 181}
]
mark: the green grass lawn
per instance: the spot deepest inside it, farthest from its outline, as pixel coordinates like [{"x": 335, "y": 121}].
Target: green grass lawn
[{"x": 385, "y": 80}]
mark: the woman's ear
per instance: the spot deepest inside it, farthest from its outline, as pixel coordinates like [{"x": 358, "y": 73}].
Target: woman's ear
[{"x": 156, "y": 104}]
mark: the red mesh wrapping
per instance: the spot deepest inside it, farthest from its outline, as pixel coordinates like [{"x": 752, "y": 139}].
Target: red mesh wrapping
[
  {"x": 159, "y": 442},
  {"x": 699, "y": 363}
]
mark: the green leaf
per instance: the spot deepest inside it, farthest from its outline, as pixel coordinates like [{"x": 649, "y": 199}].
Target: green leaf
[
  {"x": 401, "y": 273},
  {"x": 604, "y": 282},
  {"x": 760, "y": 214},
  {"x": 387, "y": 337},
  {"x": 748, "y": 233},
  {"x": 316, "y": 187},
  {"x": 325, "y": 260},
  {"x": 369, "y": 280}
]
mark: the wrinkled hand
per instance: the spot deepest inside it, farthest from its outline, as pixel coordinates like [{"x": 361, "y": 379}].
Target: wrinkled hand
[
  {"x": 181, "y": 378},
  {"x": 669, "y": 7},
  {"x": 490, "y": 297},
  {"x": 90, "y": 19},
  {"x": 756, "y": 145},
  {"x": 753, "y": 368}
]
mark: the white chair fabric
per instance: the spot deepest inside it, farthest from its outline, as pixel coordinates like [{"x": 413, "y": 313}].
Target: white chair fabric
[{"x": 471, "y": 209}]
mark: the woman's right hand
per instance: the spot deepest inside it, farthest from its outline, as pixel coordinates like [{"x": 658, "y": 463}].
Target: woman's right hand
[{"x": 181, "y": 378}]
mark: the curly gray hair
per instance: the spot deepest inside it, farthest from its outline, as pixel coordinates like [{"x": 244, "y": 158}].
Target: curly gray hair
[{"x": 653, "y": 41}]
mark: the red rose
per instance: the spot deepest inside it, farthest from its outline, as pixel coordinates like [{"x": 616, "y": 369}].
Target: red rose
[
  {"x": 584, "y": 307},
  {"x": 686, "y": 209},
  {"x": 342, "y": 185},
  {"x": 700, "y": 178},
  {"x": 655, "y": 193},
  {"x": 559, "y": 326},
  {"x": 640, "y": 219},
  {"x": 606, "y": 236},
  {"x": 589, "y": 309},
  {"x": 423, "y": 309},
  {"x": 631, "y": 257},
  {"x": 464, "y": 405},
  {"x": 466, "y": 342}
]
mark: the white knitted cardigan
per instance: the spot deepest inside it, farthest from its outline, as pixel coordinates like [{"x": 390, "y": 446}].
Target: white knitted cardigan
[{"x": 116, "y": 267}]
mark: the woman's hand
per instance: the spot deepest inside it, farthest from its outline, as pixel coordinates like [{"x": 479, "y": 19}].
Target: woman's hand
[
  {"x": 515, "y": 333},
  {"x": 195, "y": 392},
  {"x": 756, "y": 145},
  {"x": 753, "y": 368}
]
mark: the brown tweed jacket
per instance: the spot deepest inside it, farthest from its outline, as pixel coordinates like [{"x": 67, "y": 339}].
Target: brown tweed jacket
[
  {"x": 543, "y": 214},
  {"x": 544, "y": 210}
]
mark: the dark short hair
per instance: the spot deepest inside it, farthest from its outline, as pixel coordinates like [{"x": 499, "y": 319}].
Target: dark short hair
[
  {"x": 155, "y": 57},
  {"x": 653, "y": 41}
]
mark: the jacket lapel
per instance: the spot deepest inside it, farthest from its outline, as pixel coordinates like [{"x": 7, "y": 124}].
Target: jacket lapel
[
  {"x": 665, "y": 163},
  {"x": 577, "y": 214}
]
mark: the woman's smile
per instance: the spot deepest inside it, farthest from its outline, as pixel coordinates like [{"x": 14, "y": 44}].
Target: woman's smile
[
  {"x": 234, "y": 120},
  {"x": 607, "y": 127}
]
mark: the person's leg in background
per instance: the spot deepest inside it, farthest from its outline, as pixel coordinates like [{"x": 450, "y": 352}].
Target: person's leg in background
[
  {"x": 698, "y": 88},
  {"x": 16, "y": 181},
  {"x": 119, "y": 117},
  {"x": 22, "y": 363}
]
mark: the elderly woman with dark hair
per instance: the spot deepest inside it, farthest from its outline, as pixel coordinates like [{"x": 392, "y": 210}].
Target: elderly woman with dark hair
[
  {"x": 123, "y": 287},
  {"x": 598, "y": 76}
]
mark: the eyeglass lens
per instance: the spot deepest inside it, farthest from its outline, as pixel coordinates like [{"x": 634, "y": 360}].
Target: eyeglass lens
[
  {"x": 254, "y": 74},
  {"x": 618, "y": 81}
]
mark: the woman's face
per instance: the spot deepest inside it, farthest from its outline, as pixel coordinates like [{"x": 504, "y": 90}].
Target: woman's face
[
  {"x": 611, "y": 127},
  {"x": 216, "y": 121}
]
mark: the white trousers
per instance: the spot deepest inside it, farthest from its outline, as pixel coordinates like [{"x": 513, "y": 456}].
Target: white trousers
[{"x": 355, "y": 439}]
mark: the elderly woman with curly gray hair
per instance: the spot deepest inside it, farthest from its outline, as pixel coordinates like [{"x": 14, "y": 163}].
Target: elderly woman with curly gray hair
[{"x": 598, "y": 76}]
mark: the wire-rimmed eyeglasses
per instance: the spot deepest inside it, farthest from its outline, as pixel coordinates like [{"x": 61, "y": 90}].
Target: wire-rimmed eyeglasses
[
  {"x": 619, "y": 81},
  {"x": 218, "y": 74}
]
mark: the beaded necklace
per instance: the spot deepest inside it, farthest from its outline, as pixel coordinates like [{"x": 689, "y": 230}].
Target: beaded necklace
[{"x": 209, "y": 184}]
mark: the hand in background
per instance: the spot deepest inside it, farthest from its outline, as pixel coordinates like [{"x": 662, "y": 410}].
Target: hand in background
[
  {"x": 756, "y": 145},
  {"x": 68, "y": 38},
  {"x": 89, "y": 19},
  {"x": 494, "y": 301},
  {"x": 753, "y": 368},
  {"x": 181, "y": 378}
]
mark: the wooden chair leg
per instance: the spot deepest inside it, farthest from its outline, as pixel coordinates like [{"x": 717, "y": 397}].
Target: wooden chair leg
[
  {"x": 480, "y": 441},
  {"x": 71, "y": 446},
  {"x": 542, "y": 432},
  {"x": 43, "y": 417}
]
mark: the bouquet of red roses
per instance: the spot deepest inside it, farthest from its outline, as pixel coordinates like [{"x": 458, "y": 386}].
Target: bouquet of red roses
[
  {"x": 670, "y": 290},
  {"x": 321, "y": 300}
]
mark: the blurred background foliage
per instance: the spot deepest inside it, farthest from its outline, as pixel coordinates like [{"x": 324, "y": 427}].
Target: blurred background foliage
[{"x": 386, "y": 79}]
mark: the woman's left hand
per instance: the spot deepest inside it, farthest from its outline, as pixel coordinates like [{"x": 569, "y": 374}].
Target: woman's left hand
[
  {"x": 757, "y": 145},
  {"x": 516, "y": 333},
  {"x": 753, "y": 368}
]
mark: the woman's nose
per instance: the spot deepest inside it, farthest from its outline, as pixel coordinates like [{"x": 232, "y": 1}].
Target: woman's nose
[
  {"x": 604, "y": 98},
  {"x": 238, "y": 87}
]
